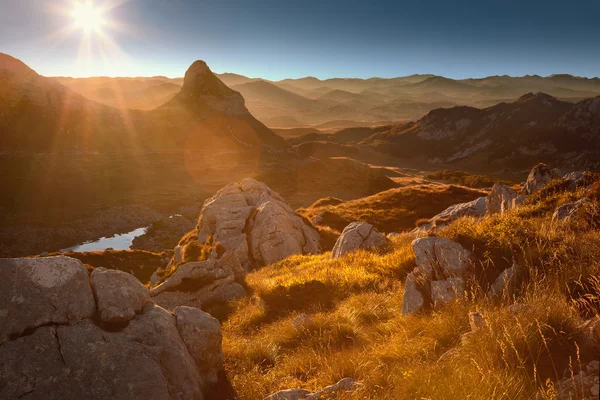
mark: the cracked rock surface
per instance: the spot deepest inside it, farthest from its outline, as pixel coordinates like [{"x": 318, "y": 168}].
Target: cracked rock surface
[
  {"x": 439, "y": 278},
  {"x": 60, "y": 342},
  {"x": 357, "y": 235},
  {"x": 256, "y": 224}
]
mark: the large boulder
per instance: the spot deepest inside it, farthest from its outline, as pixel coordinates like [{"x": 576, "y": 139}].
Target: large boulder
[
  {"x": 254, "y": 222},
  {"x": 59, "y": 342},
  {"x": 441, "y": 258},
  {"x": 539, "y": 177},
  {"x": 500, "y": 199},
  {"x": 202, "y": 336},
  {"x": 439, "y": 277},
  {"x": 358, "y": 235},
  {"x": 119, "y": 295},
  {"x": 41, "y": 291}
]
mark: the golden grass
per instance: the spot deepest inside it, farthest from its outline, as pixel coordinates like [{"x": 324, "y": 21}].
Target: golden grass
[
  {"x": 392, "y": 210},
  {"x": 312, "y": 320}
]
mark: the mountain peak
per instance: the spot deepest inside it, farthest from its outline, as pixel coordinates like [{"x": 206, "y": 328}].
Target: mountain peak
[
  {"x": 200, "y": 81},
  {"x": 537, "y": 97}
]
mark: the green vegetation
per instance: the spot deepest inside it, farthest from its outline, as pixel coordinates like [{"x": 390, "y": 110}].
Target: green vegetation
[{"x": 312, "y": 320}]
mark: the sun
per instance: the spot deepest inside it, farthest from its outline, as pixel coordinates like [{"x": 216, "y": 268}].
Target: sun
[{"x": 87, "y": 17}]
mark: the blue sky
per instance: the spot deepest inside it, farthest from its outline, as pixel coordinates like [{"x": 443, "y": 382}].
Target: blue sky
[{"x": 279, "y": 39}]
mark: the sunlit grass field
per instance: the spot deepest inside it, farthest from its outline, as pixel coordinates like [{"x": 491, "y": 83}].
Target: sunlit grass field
[{"x": 312, "y": 320}]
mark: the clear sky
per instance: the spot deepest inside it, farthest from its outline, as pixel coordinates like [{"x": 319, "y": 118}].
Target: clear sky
[{"x": 280, "y": 39}]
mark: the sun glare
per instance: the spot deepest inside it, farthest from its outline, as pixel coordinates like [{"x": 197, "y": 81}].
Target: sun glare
[{"x": 87, "y": 17}]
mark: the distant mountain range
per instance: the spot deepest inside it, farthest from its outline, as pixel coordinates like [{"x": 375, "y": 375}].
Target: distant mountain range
[
  {"x": 504, "y": 137},
  {"x": 304, "y": 102}
]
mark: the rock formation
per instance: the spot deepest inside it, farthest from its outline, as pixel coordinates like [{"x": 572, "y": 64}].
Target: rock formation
[
  {"x": 358, "y": 235},
  {"x": 539, "y": 177},
  {"x": 201, "y": 282},
  {"x": 256, "y": 224},
  {"x": 253, "y": 226},
  {"x": 475, "y": 208},
  {"x": 67, "y": 335},
  {"x": 500, "y": 199},
  {"x": 568, "y": 210},
  {"x": 439, "y": 278}
]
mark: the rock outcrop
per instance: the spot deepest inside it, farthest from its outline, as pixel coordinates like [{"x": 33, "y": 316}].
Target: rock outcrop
[
  {"x": 475, "y": 208},
  {"x": 256, "y": 224},
  {"x": 358, "y": 235},
  {"x": 500, "y": 199},
  {"x": 439, "y": 278},
  {"x": 197, "y": 283},
  {"x": 566, "y": 211},
  {"x": 64, "y": 337},
  {"x": 539, "y": 177},
  {"x": 119, "y": 296},
  {"x": 253, "y": 226}
]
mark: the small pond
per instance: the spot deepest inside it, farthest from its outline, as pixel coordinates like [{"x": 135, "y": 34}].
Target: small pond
[{"x": 122, "y": 241}]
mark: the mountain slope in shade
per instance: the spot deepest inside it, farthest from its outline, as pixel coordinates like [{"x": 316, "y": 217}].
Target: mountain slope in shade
[
  {"x": 536, "y": 127},
  {"x": 38, "y": 113},
  {"x": 64, "y": 156}
]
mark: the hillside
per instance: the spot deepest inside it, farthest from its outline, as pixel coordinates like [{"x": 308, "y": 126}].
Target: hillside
[
  {"x": 312, "y": 319},
  {"x": 534, "y": 128},
  {"x": 66, "y": 157}
]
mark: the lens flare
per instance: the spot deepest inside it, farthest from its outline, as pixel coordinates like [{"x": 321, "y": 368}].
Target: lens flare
[{"x": 87, "y": 17}]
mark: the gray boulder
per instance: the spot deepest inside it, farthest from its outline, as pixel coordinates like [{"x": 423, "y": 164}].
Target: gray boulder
[
  {"x": 568, "y": 210},
  {"x": 120, "y": 296},
  {"x": 413, "y": 300},
  {"x": 441, "y": 258},
  {"x": 56, "y": 346},
  {"x": 41, "y": 291},
  {"x": 500, "y": 199},
  {"x": 358, "y": 235},
  {"x": 447, "y": 291},
  {"x": 539, "y": 177},
  {"x": 439, "y": 278},
  {"x": 202, "y": 336},
  {"x": 256, "y": 224},
  {"x": 475, "y": 208},
  {"x": 505, "y": 284}
]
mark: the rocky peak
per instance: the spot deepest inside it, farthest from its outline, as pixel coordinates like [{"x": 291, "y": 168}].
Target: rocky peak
[
  {"x": 202, "y": 90},
  {"x": 200, "y": 81}
]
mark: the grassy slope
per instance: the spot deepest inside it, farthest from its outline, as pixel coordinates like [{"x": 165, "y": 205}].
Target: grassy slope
[
  {"x": 356, "y": 328},
  {"x": 395, "y": 209}
]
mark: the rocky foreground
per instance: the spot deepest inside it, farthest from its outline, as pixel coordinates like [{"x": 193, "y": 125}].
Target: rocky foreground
[{"x": 68, "y": 330}]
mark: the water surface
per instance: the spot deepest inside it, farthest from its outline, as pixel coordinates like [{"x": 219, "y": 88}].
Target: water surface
[{"x": 122, "y": 241}]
